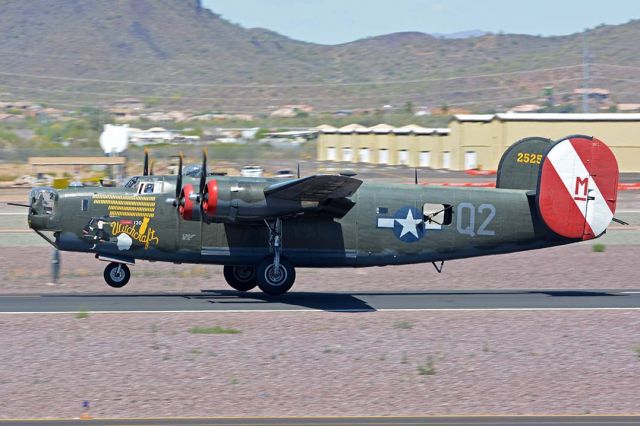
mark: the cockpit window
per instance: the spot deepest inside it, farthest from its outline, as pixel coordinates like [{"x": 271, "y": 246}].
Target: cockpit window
[
  {"x": 148, "y": 189},
  {"x": 132, "y": 182}
]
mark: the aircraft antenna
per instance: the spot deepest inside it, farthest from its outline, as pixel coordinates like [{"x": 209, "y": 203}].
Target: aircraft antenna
[
  {"x": 298, "y": 170},
  {"x": 415, "y": 175}
]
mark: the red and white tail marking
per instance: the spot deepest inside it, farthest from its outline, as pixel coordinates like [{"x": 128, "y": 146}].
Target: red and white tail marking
[{"x": 578, "y": 187}]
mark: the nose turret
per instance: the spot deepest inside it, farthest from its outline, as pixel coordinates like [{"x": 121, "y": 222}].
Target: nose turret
[{"x": 42, "y": 209}]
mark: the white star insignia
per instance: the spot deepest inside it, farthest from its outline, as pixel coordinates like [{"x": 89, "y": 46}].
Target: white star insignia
[{"x": 409, "y": 225}]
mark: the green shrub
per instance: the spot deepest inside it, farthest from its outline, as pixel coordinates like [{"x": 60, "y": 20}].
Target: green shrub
[{"x": 428, "y": 368}]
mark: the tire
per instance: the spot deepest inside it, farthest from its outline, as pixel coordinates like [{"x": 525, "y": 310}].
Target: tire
[
  {"x": 272, "y": 284},
  {"x": 241, "y": 278},
  {"x": 115, "y": 278}
]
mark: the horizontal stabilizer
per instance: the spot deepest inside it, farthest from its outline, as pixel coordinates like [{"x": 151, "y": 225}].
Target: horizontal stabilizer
[{"x": 314, "y": 188}]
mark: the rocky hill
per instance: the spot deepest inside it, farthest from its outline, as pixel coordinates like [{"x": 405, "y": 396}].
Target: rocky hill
[{"x": 176, "y": 53}]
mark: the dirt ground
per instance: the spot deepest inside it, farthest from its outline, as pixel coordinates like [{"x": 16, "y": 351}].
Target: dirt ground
[{"x": 319, "y": 363}]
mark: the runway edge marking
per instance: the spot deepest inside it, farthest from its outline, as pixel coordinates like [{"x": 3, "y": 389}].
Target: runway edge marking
[{"x": 238, "y": 311}]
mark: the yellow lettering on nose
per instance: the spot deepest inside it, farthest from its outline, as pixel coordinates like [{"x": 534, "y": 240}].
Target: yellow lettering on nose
[{"x": 143, "y": 226}]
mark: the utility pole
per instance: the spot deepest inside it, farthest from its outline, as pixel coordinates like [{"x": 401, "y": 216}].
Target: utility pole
[{"x": 585, "y": 71}]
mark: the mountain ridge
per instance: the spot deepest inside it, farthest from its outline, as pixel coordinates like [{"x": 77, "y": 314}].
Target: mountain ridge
[{"x": 180, "y": 54}]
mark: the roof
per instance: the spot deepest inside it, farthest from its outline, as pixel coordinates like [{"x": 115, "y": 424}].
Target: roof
[
  {"x": 628, "y": 107},
  {"x": 474, "y": 117},
  {"x": 515, "y": 116},
  {"x": 382, "y": 128},
  {"x": 520, "y": 116},
  {"x": 325, "y": 128},
  {"x": 76, "y": 161},
  {"x": 350, "y": 128},
  {"x": 413, "y": 128}
]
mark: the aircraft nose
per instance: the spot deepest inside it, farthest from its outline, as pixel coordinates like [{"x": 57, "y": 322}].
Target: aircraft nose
[{"x": 42, "y": 203}]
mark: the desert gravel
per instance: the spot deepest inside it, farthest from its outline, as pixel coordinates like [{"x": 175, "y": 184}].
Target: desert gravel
[{"x": 320, "y": 363}]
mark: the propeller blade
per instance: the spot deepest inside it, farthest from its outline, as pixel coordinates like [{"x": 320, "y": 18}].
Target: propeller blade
[
  {"x": 298, "y": 170},
  {"x": 203, "y": 173},
  {"x": 415, "y": 175},
  {"x": 179, "y": 178},
  {"x": 151, "y": 168},
  {"x": 145, "y": 168}
]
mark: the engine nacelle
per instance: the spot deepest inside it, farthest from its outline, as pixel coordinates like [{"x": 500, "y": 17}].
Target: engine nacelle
[{"x": 231, "y": 201}]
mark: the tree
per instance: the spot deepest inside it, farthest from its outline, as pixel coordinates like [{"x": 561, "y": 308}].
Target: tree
[{"x": 409, "y": 107}]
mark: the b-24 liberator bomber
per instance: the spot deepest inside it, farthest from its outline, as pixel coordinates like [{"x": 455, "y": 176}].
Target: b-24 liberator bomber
[{"x": 547, "y": 194}]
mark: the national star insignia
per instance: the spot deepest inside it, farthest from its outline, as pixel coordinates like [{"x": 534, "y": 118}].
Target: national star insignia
[{"x": 409, "y": 225}]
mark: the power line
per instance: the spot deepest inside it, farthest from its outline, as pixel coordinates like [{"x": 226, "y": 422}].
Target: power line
[
  {"x": 293, "y": 85},
  {"x": 412, "y": 94}
]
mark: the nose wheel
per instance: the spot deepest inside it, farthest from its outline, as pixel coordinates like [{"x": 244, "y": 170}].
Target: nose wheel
[{"x": 117, "y": 275}]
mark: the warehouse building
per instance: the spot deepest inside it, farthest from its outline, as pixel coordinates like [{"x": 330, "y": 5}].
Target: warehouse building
[{"x": 475, "y": 140}]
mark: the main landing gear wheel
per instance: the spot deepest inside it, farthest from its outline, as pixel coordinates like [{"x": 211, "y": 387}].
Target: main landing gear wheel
[
  {"x": 241, "y": 278},
  {"x": 117, "y": 274},
  {"x": 273, "y": 280}
]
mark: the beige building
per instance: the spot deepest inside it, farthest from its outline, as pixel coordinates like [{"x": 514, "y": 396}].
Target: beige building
[{"x": 475, "y": 140}]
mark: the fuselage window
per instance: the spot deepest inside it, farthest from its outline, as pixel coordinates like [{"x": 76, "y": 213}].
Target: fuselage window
[
  {"x": 436, "y": 216},
  {"x": 85, "y": 205}
]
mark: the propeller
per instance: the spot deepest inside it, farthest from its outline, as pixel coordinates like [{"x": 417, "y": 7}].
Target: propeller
[
  {"x": 179, "y": 178},
  {"x": 203, "y": 176},
  {"x": 145, "y": 167}
]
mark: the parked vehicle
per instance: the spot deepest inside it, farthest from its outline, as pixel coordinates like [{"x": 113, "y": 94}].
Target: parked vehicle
[
  {"x": 251, "y": 171},
  {"x": 285, "y": 173}
]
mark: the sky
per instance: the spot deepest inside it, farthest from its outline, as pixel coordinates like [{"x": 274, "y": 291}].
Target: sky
[{"x": 341, "y": 21}]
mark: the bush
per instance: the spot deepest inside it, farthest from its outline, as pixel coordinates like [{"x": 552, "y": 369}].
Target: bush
[{"x": 428, "y": 368}]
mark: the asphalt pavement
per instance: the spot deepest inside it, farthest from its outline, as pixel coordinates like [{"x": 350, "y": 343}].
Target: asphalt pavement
[
  {"x": 233, "y": 301},
  {"x": 345, "y": 421}
]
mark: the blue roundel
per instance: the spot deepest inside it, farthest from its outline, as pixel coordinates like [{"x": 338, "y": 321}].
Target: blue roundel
[{"x": 408, "y": 225}]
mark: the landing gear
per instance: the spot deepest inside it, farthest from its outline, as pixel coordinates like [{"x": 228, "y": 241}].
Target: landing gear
[
  {"x": 275, "y": 279},
  {"x": 117, "y": 274},
  {"x": 275, "y": 274},
  {"x": 241, "y": 278}
]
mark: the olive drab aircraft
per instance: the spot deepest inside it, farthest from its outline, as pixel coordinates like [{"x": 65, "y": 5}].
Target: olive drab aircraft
[{"x": 547, "y": 193}]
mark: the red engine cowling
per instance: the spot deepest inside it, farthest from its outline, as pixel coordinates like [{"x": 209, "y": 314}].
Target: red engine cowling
[
  {"x": 210, "y": 198},
  {"x": 185, "y": 203}
]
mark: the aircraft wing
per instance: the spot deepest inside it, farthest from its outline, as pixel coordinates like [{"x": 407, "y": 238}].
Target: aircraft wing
[{"x": 314, "y": 188}]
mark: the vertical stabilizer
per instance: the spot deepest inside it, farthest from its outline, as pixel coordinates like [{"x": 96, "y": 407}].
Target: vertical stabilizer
[{"x": 578, "y": 187}]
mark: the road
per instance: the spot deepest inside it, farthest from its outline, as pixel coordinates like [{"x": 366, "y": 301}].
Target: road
[
  {"x": 232, "y": 301},
  {"x": 348, "y": 421}
]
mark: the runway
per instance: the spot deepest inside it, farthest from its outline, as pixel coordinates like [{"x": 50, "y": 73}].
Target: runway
[
  {"x": 233, "y": 301},
  {"x": 347, "y": 421}
]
